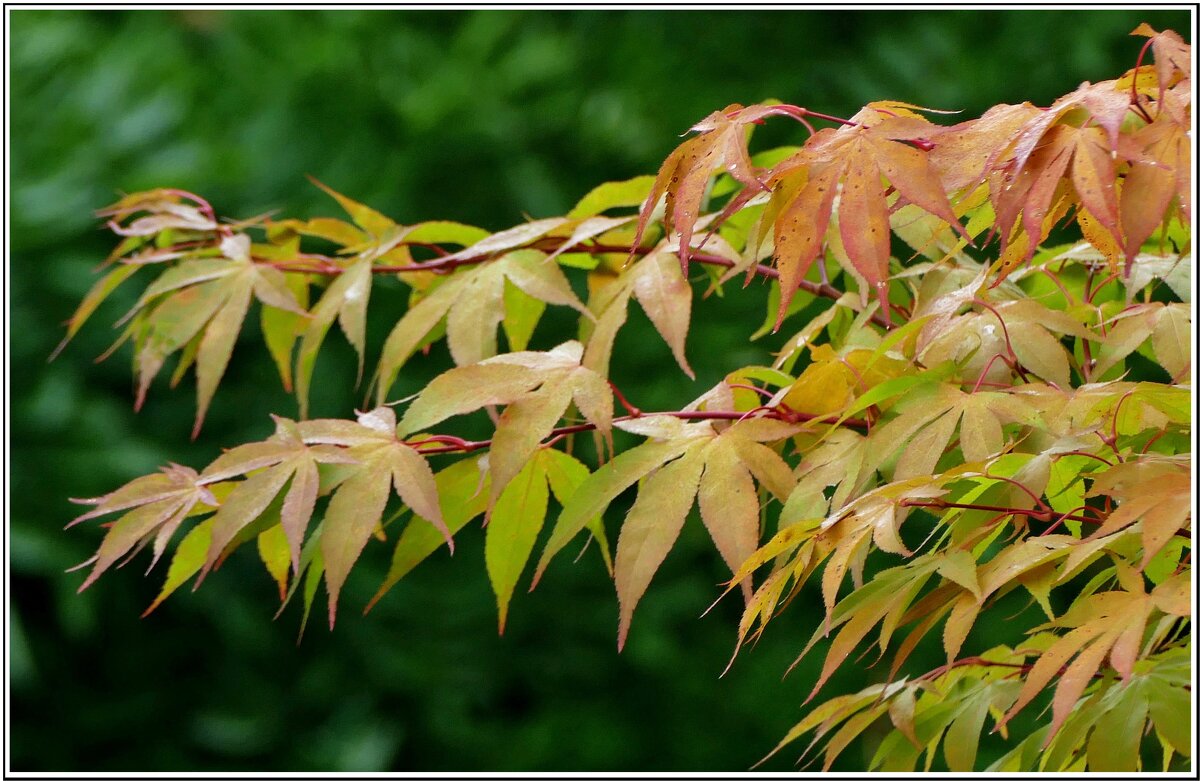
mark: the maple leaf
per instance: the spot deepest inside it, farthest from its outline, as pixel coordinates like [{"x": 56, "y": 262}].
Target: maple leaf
[
  {"x": 470, "y": 301},
  {"x": 198, "y": 306},
  {"x": 282, "y": 460},
  {"x": 964, "y": 151},
  {"x": 462, "y": 495},
  {"x": 1172, "y": 55},
  {"x": 659, "y": 285},
  {"x": 155, "y": 507},
  {"x": 537, "y": 389},
  {"x": 1101, "y": 622},
  {"x": 518, "y": 515},
  {"x": 385, "y": 461},
  {"x": 682, "y": 462},
  {"x": 859, "y": 158},
  {"x": 1159, "y": 157},
  {"x": 685, "y": 173},
  {"x": 163, "y": 210},
  {"x": 1160, "y": 498},
  {"x": 1081, "y": 130}
]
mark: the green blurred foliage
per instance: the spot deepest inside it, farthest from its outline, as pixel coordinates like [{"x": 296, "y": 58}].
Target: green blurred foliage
[{"x": 481, "y": 117}]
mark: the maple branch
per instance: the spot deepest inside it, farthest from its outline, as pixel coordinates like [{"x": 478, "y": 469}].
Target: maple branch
[
  {"x": 970, "y": 661},
  {"x": 1039, "y": 515},
  {"x": 457, "y": 445},
  {"x": 633, "y": 411},
  {"x": 1133, "y": 95},
  {"x": 448, "y": 264},
  {"x": 1016, "y": 363},
  {"x": 203, "y": 205}
]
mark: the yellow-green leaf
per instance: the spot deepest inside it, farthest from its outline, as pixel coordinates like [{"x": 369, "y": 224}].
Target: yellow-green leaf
[{"x": 512, "y": 530}]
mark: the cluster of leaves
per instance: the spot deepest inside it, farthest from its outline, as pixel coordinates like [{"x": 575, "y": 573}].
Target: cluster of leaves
[{"x": 1003, "y": 412}]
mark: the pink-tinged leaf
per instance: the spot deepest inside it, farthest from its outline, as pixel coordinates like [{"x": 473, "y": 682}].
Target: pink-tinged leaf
[
  {"x": 1074, "y": 680},
  {"x": 800, "y": 231},
  {"x": 700, "y": 157},
  {"x": 473, "y": 319},
  {"x": 1171, "y": 53},
  {"x": 1128, "y": 643},
  {"x": 352, "y": 311},
  {"x": 910, "y": 172},
  {"x": 667, "y": 176},
  {"x": 1162, "y": 503},
  {"x": 246, "y": 458},
  {"x": 963, "y": 151},
  {"x": 353, "y": 513},
  {"x": 651, "y": 529},
  {"x": 1045, "y": 178},
  {"x": 729, "y": 506},
  {"x": 272, "y": 288},
  {"x": 247, "y": 501},
  {"x": 662, "y": 290},
  {"x": 188, "y": 274},
  {"x": 466, "y": 389},
  {"x": 588, "y": 229},
  {"x": 1020, "y": 558},
  {"x": 836, "y": 565},
  {"x": 522, "y": 427},
  {"x": 513, "y": 526},
  {"x": 600, "y": 342},
  {"x": 1172, "y": 339},
  {"x": 1040, "y": 352},
  {"x": 131, "y": 529},
  {"x": 1047, "y": 666},
  {"x": 1123, "y": 338},
  {"x": 1145, "y": 195},
  {"x": 863, "y": 219},
  {"x": 1174, "y": 595},
  {"x": 298, "y": 507},
  {"x": 415, "y": 484},
  {"x": 172, "y": 325},
  {"x": 1161, "y": 522},
  {"x": 901, "y": 712},
  {"x": 142, "y": 490},
  {"x": 594, "y": 398},
  {"x": 1094, "y": 174},
  {"x": 539, "y": 276},
  {"x": 509, "y": 239},
  {"x": 980, "y": 435},
  {"x": 216, "y": 346},
  {"x": 923, "y": 451},
  {"x": 867, "y": 613}
]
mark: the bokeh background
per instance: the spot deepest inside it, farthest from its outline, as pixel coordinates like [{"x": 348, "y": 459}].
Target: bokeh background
[{"x": 482, "y": 117}]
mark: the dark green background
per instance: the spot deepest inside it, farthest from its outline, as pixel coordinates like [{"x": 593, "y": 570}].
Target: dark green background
[{"x": 481, "y": 117}]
